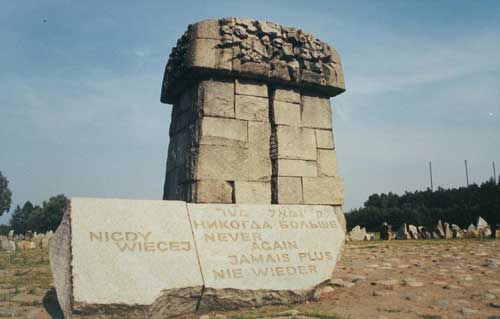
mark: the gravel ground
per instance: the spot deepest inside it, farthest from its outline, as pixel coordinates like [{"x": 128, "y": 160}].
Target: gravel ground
[{"x": 378, "y": 280}]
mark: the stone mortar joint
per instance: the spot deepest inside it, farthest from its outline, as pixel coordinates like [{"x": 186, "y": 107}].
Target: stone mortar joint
[{"x": 247, "y": 48}]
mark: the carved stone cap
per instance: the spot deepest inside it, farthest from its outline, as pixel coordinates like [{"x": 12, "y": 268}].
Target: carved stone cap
[{"x": 247, "y": 48}]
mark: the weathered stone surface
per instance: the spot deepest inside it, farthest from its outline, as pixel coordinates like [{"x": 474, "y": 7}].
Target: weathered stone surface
[
  {"x": 252, "y": 108},
  {"x": 262, "y": 254},
  {"x": 6, "y": 244},
  {"x": 323, "y": 190},
  {"x": 357, "y": 233},
  {"x": 324, "y": 139},
  {"x": 403, "y": 233},
  {"x": 252, "y": 192},
  {"x": 207, "y": 29},
  {"x": 212, "y": 191},
  {"x": 289, "y": 190},
  {"x": 287, "y": 95},
  {"x": 253, "y": 51},
  {"x": 327, "y": 163},
  {"x": 222, "y": 162},
  {"x": 217, "y": 98},
  {"x": 251, "y": 88},
  {"x": 481, "y": 223},
  {"x": 296, "y": 142},
  {"x": 259, "y": 162},
  {"x": 286, "y": 113},
  {"x": 293, "y": 167},
  {"x": 206, "y": 53},
  {"x": 225, "y": 132},
  {"x": 108, "y": 259},
  {"x": 316, "y": 112}
]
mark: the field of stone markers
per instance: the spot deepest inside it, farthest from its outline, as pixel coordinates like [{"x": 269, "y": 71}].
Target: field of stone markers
[{"x": 377, "y": 279}]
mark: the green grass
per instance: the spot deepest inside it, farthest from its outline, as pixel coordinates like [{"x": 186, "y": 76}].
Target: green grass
[{"x": 25, "y": 271}]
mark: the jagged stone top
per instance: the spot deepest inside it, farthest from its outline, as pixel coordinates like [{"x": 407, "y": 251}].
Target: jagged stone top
[{"x": 252, "y": 49}]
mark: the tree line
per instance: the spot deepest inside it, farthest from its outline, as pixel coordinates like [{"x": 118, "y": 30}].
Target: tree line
[
  {"x": 31, "y": 217},
  {"x": 461, "y": 206}
]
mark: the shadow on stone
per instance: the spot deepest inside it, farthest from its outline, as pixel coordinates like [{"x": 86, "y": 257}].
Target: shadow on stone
[{"x": 51, "y": 304}]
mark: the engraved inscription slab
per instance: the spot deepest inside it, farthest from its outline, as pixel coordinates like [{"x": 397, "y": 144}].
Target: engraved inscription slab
[
  {"x": 266, "y": 247},
  {"x": 131, "y": 253}
]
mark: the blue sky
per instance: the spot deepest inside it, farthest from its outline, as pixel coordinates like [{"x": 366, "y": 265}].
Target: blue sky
[{"x": 79, "y": 94}]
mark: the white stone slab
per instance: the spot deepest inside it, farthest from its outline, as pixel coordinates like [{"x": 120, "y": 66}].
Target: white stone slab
[
  {"x": 137, "y": 254},
  {"x": 266, "y": 247}
]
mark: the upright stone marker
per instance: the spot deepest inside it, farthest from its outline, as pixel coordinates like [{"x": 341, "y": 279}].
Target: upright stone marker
[
  {"x": 253, "y": 255},
  {"x": 127, "y": 258},
  {"x": 251, "y": 118}
]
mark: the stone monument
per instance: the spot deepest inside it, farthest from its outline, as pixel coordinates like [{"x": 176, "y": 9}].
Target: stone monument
[
  {"x": 251, "y": 117},
  {"x": 252, "y": 209}
]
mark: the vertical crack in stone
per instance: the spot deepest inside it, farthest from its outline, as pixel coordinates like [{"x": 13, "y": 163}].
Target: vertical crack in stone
[
  {"x": 233, "y": 194},
  {"x": 273, "y": 147}
]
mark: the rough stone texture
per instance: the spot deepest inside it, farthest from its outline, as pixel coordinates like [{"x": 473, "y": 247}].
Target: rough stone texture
[
  {"x": 221, "y": 162},
  {"x": 327, "y": 163},
  {"x": 225, "y": 132},
  {"x": 287, "y": 95},
  {"x": 251, "y": 88},
  {"x": 255, "y": 50},
  {"x": 262, "y": 254},
  {"x": 323, "y": 190},
  {"x": 252, "y": 123},
  {"x": 357, "y": 233},
  {"x": 108, "y": 259},
  {"x": 289, "y": 190},
  {"x": 212, "y": 191},
  {"x": 252, "y": 108},
  {"x": 324, "y": 139},
  {"x": 292, "y": 167},
  {"x": 296, "y": 143},
  {"x": 316, "y": 112},
  {"x": 218, "y": 98},
  {"x": 259, "y": 162},
  {"x": 252, "y": 192},
  {"x": 286, "y": 113}
]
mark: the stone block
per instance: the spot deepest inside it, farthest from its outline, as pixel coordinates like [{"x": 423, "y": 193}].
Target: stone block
[
  {"x": 296, "y": 143},
  {"x": 324, "y": 139},
  {"x": 222, "y": 162},
  {"x": 286, "y": 113},
  {"x": 287, "y": 95},
  {"x": 257, "y": 255},
  {"x": 289, "y": 190},
  {"x": 259, "y": 163},
  {"x": 316, "y": 112},
  {"x": 293, "y": 167},
  {"x": 327, "y": 163},
  {"x": 222, "y": 131},
  {"x": 108, "y": 259},
  {"x": 323, "y": 190},
  {"x": 252, "y": 192},
  {"x": 251, "y": 88},
  {"x": 341, "y": 217},
  {"x": 212, "y": 191},
  {"x": 217, "y": 98},
  {"x": 252, "y": 108},
  {"x": 206, "y": 29},
  {"x": 206, "y": 53}
]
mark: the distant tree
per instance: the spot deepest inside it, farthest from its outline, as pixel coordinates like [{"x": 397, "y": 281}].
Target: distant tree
[
  {"x": 39, "y": 219},
  {"x": 52, "y": 213},
  {"x": 5, "y": 195},
  {"x": 461, "y": 206},
  {"x": 21, "y": 216}
]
